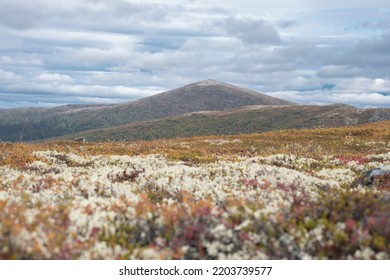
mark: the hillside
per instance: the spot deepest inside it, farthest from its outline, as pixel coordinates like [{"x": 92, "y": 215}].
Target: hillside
[
  {"x": 29, "y": 124},
  {"x": 290, "y": 194},
  {"x": 250, "y": 119}
]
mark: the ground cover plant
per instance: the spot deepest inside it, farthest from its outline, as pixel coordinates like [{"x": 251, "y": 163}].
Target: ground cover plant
[{"x": 293, "y": 194}]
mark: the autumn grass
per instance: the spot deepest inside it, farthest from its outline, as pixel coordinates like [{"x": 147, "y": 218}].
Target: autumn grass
[{"x": 346, "y": 141}]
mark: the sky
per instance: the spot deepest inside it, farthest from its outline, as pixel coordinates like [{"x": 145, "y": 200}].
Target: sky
[{"x": 55, "y": 52}]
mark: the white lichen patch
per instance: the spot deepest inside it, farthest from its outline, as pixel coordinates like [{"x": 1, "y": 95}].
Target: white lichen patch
[{"x": 102, "y": 206}]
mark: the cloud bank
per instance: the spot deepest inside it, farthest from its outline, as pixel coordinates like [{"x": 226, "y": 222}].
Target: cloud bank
[{"x": 59, "y": 52}]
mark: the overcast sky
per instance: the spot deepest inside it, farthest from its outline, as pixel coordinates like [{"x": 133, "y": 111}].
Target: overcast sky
[{"x": 55, "y": 52}]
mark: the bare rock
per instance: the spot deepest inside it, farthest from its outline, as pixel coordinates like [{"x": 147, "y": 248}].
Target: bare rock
[{"x": 374, "y": 177}]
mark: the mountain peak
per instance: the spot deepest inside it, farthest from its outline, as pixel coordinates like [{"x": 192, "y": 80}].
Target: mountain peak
[
  {"x": 211, "y": 95},
  {"x": 208, "y": 82}
]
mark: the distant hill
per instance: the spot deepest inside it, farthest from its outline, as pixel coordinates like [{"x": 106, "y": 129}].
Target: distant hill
[
  {"x": 244, "y": 120},
  {"x": 206, "y": 95},
  {"x": 28, "y": 124}
]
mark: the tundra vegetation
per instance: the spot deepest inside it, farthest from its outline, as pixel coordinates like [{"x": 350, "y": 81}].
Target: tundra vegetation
[{"x": 290, "y": 194}]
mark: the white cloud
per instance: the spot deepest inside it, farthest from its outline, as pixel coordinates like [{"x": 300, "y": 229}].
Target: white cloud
[
  {"x": 363, "y": 84},
  {"x": 93, "y": 56},
  {"x": 318, "y": 97},
  {"x": 54, "y": 78},
  {"x": 24, "y": 60},
  {"x": 8, "y": 76}
]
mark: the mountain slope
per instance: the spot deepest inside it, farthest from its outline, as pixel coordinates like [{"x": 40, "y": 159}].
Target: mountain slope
[
  {"x": 40, "y": 123},
  {"x": 250, "y": 119}
]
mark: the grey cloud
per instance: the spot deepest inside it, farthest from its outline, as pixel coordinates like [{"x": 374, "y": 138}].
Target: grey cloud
[
  {"x": 301, "y": 4},
  {"x": 371, "y": 54},
  {"x": 111, "y": 51},
  {"x": 379, "y": 45},
  {"x": 64, "y": 91},
  {"x": 129, "y": 10},
  {"x": 21, "y": 15},
  {"x": 82, "y": 13},
  {"x": 287, "y": 23},
  {"x": 253, "y": 31},
  {"x": 337, "y": 71},
  {"x": 373, "y": 25}
]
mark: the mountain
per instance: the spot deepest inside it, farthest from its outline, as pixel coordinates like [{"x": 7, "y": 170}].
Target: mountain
[
  {"x": 30, "y": 124},
  {"x": 249, "y": 119},
  {"x": 206, "y": 95}
]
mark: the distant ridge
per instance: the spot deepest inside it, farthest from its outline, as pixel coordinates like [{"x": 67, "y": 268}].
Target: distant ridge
[
  {"x": 29, "y": 124},
  {"x": 243, "y": 120}
]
